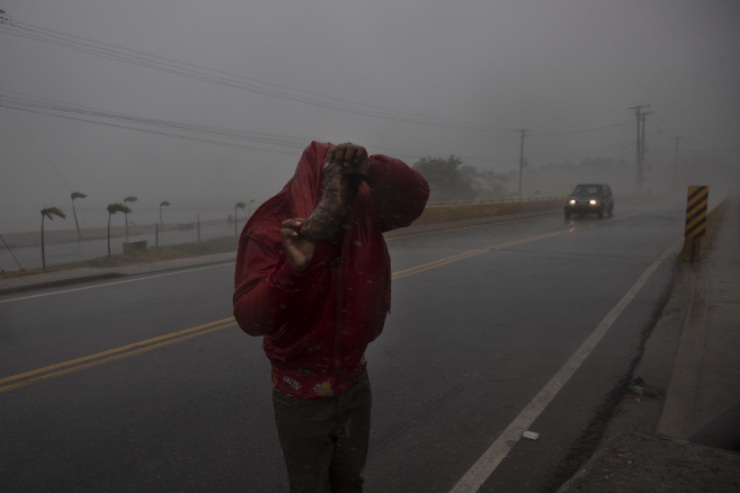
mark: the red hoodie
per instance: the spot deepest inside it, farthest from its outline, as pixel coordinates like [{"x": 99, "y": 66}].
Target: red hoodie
[{"x": 317, "y": 324}]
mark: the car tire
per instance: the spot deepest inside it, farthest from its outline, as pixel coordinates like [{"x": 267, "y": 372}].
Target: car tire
[
  {"x": 600, "y": 213},
  {"x": 567, "y": 215}
]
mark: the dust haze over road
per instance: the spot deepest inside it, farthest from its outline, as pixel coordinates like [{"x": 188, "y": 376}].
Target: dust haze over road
[{"x": 205, "y": 106}]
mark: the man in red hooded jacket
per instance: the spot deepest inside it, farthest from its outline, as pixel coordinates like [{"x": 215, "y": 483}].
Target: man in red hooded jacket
[{"x": 318, "y": 305}]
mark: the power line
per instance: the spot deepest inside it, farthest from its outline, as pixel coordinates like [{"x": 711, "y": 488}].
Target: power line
[
  {"x": 196, "y": 72},
  {"x": 672, "y": 130},
  {"x": 212, "y": 135},
  {"x": 583, "y": 131},
  {"x": 41, "y": 149},
  {"x": 141, "y": 58},
  {"x": 91, "y": 115}
]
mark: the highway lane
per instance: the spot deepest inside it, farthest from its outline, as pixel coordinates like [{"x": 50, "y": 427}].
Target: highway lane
[
  {"x": 482, "y": 318},
  {"x": 500, "y": 326}
]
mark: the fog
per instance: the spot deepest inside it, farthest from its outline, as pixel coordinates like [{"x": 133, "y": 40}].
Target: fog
[{"x": 208, "y": 104}]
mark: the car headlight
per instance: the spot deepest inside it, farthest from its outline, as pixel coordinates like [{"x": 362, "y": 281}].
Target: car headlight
[
  {"x": 572, "y": 202},
  {"x": 593, "y": 202}
]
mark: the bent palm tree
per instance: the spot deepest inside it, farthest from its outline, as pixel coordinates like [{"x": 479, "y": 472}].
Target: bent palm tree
[
  {"x": 239, "y": 205},
  {"x": 112, "y": 209},
  {"x": 77, "y": 195},
  {"x": 130, "y": 198},
  {"x": 49, "y": 212},
  {"x": 161, "y": 224}
]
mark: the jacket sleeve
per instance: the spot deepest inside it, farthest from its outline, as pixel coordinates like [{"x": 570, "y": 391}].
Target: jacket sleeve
[
  {"x": 266, "y": 286},
  {"x": 399, "y": 192}
]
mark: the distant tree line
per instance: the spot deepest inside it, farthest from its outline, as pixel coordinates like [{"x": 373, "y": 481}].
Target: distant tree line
[{"x": 450, "y": 179}]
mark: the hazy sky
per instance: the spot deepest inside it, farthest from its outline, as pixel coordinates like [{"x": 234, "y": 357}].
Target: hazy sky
[{"x": 92, "y": 92}]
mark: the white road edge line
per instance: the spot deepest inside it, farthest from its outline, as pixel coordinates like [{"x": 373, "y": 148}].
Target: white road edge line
[
  {"x": 114, "y": 283},
  {"x": 497, "y": 452}
]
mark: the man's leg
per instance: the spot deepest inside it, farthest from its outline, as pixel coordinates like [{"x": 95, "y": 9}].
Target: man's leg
[
  {"x": 305, "y": 429},
  {"x": 352, "y": 434}
]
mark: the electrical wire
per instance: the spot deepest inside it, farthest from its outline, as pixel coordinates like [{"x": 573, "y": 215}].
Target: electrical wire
[
  {"x": 213, "y": 135},
  {"x": 200, "y": 73},
  {"x": 141, "y": 58},
  {"x": 41, "y": 149},
  {"x": 582, "y": 131},
  {"x": 88, "y": 114}
]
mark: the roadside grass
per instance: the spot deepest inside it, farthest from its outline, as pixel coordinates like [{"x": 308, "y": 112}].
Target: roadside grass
[{"x": 223, "y": 244}]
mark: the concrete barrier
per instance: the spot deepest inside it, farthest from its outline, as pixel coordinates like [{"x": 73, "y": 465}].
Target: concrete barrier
[{"x": 447, "y": 212}]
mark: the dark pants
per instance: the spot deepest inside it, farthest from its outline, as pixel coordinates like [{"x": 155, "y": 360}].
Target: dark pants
[{"x": 325, "y": 440}]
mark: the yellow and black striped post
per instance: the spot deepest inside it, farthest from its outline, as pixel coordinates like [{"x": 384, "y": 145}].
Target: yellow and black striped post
[{"x": 696, "y": 221}]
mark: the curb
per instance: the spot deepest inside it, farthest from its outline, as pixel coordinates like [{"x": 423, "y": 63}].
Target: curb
[{"x": 60, "y": 282}]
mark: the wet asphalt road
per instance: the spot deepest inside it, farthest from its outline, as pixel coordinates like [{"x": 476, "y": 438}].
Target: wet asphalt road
[{"x": 482, "y": 318}]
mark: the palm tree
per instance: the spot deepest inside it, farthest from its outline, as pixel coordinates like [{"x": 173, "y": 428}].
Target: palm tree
[
  {"x": 130, "y": 198},
  {"x": 161, "y": 224},
  {"x": 49, "y": 212},
  {"x": 239, "y": 205},
  {"x": 112, "y": 209},
  {"x": 77, "y": 195}
]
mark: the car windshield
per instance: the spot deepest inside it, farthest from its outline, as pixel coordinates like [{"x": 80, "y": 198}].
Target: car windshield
[{"x": 585, "y": 190}]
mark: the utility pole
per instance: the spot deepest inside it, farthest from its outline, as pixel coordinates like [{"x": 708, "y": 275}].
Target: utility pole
[
  {"x": 677, "y": 138},
  {"x": 523, "y": 133},
  {"x": 640, "y": 142},
  {"x": 643, "y": 149}
]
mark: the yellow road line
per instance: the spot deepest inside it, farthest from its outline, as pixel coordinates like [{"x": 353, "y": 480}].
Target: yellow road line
[
  {"x": 471, "y": 253},
  {"x": 497, "y": 246},
  {"x": 437, "y": 263},
  {"x": 119, "y": 353}
]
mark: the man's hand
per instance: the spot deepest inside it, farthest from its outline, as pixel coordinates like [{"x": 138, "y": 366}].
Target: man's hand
[
  {"x": 298, "y": 249},
  {"x": 352, "y": 158}
]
